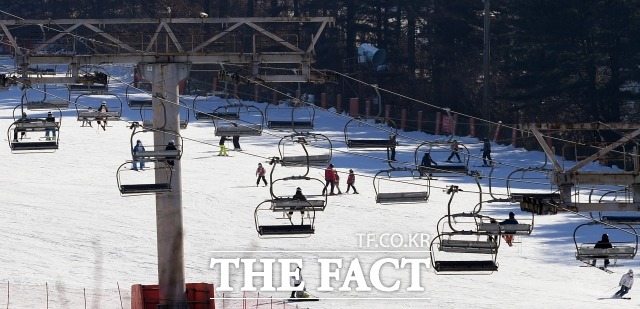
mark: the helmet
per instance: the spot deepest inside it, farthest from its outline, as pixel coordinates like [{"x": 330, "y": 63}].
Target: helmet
[
  {"x": 350, "y": 171},
  {"x": 138, "y": 142},
  {"x": 298, "y": 189},
  {"x": 631, "y": 272},
  {"x": 103, "y": 103},
  {"x": 259, "y": 164},
  {"x": 512, "y": 214},
  {"x": 171, "y": 142}
]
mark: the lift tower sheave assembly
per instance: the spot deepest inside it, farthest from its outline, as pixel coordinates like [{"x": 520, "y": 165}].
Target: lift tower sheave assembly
[
  {"x": 165, "y": 49},
  {"x": 570, "y": 179}
]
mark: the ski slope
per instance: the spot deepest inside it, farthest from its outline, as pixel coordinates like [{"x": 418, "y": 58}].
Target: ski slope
[{"x": 70, "y": 239}]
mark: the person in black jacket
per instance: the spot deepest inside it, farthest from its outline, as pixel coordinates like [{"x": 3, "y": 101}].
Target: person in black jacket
[
  {"x": 171, "y": 146},
  {"x": 603, "y": 243},
  {"x": 426, "y": 162},
  {"x": 486, "y": 153},
  {"x": 512, "y": 220}
]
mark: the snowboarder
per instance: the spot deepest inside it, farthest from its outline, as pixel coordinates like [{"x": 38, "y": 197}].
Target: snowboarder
[
  {"x": 223, "y": 148},
  {"x": 330, "y": 178},
  {"x": 350, "y": 181},
  {"x": 137, "y": 148},
  {"x": 260, "y": 173},
  {"x": 171, "y": 146},
  {"x": 337, "y": 180},
  {"x": 455, "y": 147},
  {"x": 603, "y": 243},
  {"x": 426, "y": 162},
  {"x": 486, "y": 153},
  {"x": 102, "y": 122},
  {"x": 512, "y": 220},
  {"x": 626, "y": 282}
]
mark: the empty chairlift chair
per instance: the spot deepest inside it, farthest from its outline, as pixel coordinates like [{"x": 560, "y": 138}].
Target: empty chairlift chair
[
  {"x": 132, "y": 182},
  {"x": 42, "y": 99},
  {"x": 406, "y": 178},
  {"x": 299, "y": 149},
  {"x": 137, "y": 98},
  {"x": 369, "y": 133},
  {"x": 296, "y": 116},
  {"x": 248, "y": 123}
]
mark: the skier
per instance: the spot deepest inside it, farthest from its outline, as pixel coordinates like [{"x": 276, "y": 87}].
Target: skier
[
  {"x": 260, "y": 173},
  {"x": 350, "y": 181},
  {"x": 300, "y": 197},
  {"x": 486, "y": 153},
  {"x": 330, "y": 178},
  {"x": 337, "y": 180},
  {"x": 23, "y": 134},
  {"x": 137, "y": 148},
  {"x": 603, "y": 243},
  {"x": 223, "y": 148},
  {"x": 511, "y": 220},
  {"x": 455, "y": 147},
  {"x": 626, "y": 282}
]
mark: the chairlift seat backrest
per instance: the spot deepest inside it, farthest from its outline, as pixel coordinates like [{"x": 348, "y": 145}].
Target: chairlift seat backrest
[
  {"x": 88, "y": 89},
  {"x": 95, "y": 115},
  {"x": 241, "y": 130},
  {"x": 287, "y": 124},
  {"x": 149, "y": 123},
  {"x": 297, "y": 205},
  {"x": 444, "y": 169},
  {"x": 36, "y": 125},
  {"x": 302, "y": 160},
  {"x": 617, "y": 252},
  {"x": 157, "y": 155},
  {"x": 47, "y": 105},
  {"x": 630, "y": 220},
  {"x": 369, "y": 143},
  {"x": 492, "y": 228},
  {"x": 468, "y": 246},
  {"x": 402, "y": 197},
  {"x": 140, "y": 103}
]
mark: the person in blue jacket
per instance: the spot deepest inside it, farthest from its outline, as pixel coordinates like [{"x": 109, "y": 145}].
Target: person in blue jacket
[{"x": 137, "y": 148}]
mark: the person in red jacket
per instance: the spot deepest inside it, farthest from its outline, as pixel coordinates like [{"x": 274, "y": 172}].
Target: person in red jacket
[
  {"x": 337, "y": 181},
  {"x": 350, "y": 181},
  {"x": 260, "y": 173},
  {"x": 330, "y": 178}
]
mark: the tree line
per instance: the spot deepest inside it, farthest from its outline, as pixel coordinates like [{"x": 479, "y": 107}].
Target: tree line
[{"x": 551, "y": 61}]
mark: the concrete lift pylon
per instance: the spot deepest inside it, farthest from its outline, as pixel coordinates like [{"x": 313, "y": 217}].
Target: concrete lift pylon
[{"x": 566, "y": 180}]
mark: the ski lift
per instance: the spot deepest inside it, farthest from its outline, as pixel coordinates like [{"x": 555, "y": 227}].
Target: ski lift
[
  {"x": 147, "y": 116},
  {"x": 293, "y": 115},
  {"x": 155, "y": 152},
  {"x": 539, "y": 203},
  {"x": 379, "y": 137},
  {"x": 439, "y": 151},
  {"x": 89, "y": 110},
  {"x": 58, "y": 102},
  {"x": 139, "y": 100},
  {"x": 22, "y": 125},
  {"x": 92, "y": 83},
  {"x": 203, "y": 111},
  {"x": 626, "y": 249},
  {"x": 270, "y": 227},
  {"x": 132, "y": 182},
  {"x": 248, "y": 122},
  {"x": 316, "y": 149},
  {"x": 464, "y": 252},
  {"x": 393, "y": 196}
]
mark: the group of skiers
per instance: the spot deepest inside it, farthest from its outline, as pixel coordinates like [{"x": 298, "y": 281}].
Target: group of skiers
[
  {"x": 139, "y": 147},
  {"x": 333, "y": 179},
  {"x": 427, "y": 161}
]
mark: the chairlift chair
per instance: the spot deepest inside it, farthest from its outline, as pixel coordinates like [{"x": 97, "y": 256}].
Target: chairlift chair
[
  {"x": 299, "y": 149},
  {"x": 394, "y": 196},
  {"x": 34, "y": 124},
  {"x": 382, "y": 128},
  {"x": 296, "y": 117},
  {"x": 248, "y": 122},
  {"x": 438, "y": 151},
  {"x": 46, "y": 104},
  {"x": 139, "y": 100},
  {"x": 270, "y": 227},
  {"x": 626, "y": 249},
  {"x": 88, "y": 111},
  {"x": 456, "y": 252},
  {"x": 155, "y": 152},
  {"x": 146, "y": 185}
]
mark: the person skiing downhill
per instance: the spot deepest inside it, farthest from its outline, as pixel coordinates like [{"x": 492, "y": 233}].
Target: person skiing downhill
[
  {"x": 626, "y": 282},
  {"x": 486, "y": 153},
  {"x": 455, "y": 147}
]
